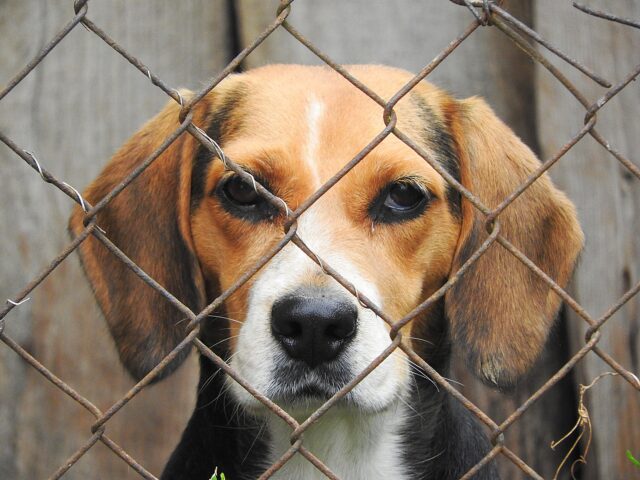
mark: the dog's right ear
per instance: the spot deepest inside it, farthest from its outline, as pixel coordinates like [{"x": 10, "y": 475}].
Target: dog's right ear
[
  {"x": 150, "y": 222},
  {"x": 500, "y": 311}
]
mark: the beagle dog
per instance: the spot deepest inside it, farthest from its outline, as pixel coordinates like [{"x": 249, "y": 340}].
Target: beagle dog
[{"x": 392, "y": 226}]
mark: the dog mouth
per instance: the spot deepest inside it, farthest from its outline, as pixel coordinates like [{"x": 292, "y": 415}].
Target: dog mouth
[
  {"x": 296, "y": 385},
  {"x": 303, "y": 394},
  {"x": 300, "y": 389}
]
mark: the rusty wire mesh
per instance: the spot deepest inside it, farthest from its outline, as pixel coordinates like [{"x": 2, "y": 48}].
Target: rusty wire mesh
[{"x": 485, "y": 13}]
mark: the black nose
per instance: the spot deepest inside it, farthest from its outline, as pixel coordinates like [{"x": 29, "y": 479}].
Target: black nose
[{"x": 313, "y": 328}]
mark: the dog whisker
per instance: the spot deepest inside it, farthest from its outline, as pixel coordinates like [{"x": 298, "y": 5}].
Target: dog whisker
[
  {"x": 417, "y": 369},
  {"x": 399, "y": 396},
  {"x": 225, "y": 318},
  {"x": 208, "y": 381},
  {"x": 255, "y": 439},
  {"x": 420, "y": 340},
  {"x": 430, "y": 459},
  {"x": 223, "y": 340},
  {"x": 451, "y": 380}
]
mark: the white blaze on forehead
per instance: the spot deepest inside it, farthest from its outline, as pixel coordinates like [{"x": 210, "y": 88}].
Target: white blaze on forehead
[{"x": 315, "y": 108}]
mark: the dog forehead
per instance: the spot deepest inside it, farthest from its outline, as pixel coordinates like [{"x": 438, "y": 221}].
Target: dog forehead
[
  {"x": 285, "y": 101},
  {"x": 315, "y": 118},
  {"x": 283, "y": 93}
]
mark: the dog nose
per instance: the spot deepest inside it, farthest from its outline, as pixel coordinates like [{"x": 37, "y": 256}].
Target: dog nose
[{"x": 313, "y": 328}]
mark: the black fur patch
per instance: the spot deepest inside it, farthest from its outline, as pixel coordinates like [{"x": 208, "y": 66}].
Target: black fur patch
[
  {"x": 218, "y": 131},
  {"x": 443, "y": 440},
  {"x": 219, "y": 434},
  {"x": 436, "y": 136}
]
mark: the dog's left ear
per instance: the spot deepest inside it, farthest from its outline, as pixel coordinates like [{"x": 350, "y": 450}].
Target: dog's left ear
[
  {"x": 150, "y": 222},
  {"x": 500, "y": 311}
]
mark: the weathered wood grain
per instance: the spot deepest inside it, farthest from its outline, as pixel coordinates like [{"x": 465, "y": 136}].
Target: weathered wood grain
[
  {"x": 73, "y": 112},
  {"x": 607, "y": 197}
]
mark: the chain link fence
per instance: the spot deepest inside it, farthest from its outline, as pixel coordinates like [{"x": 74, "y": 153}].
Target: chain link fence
[{"x": 484, "y": 13}]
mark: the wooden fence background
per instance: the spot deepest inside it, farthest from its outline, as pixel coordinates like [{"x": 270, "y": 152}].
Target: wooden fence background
[{"x": 84, "y": 100}]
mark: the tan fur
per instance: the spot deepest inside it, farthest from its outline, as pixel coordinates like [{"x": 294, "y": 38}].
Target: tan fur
[{"x": 406, "y": 261}]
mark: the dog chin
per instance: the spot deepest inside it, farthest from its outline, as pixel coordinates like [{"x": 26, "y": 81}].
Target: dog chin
[{"x": 300, "y": 401}]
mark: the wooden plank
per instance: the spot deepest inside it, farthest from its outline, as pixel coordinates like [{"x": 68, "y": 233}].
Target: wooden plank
[
  {"x": 73, "y": 112},
  {"x": 607, "y": 197}
]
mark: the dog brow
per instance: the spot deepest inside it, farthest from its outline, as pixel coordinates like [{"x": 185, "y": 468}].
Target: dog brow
[
  {"x": 219, "y": 129},
  {"x": 436, "y": 136}
]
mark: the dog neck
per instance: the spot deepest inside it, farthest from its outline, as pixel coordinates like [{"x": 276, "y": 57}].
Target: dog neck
[{"x": 351, "y": 443}]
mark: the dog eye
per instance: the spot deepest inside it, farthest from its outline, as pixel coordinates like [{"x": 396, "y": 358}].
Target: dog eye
[
  {"x": 399, "y": 201},
  {"x": 403, "y": 197},
  {"x": 239, "y": 197},
  {"x": 240, "y": 192}
]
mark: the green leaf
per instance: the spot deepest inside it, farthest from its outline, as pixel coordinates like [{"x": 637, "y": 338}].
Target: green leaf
[{"x": 629, "y": 456}]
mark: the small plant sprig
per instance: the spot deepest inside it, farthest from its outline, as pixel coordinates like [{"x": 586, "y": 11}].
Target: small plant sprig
[
  {"x": 582, "y": 426},
  {"x": 215, "y": 475},
  {"x": 632, "y": 459}
]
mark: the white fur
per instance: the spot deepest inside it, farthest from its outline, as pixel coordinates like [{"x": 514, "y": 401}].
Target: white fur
[
  {"x": 315, "y": 110},
  {"x": 354, "y": 445}
]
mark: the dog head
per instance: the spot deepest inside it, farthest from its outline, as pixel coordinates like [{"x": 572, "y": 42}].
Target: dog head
[{"x": 392, "y": 227}]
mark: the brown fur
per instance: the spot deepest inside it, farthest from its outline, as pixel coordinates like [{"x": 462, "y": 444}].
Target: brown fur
[{"x": 499, "y": 312}]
